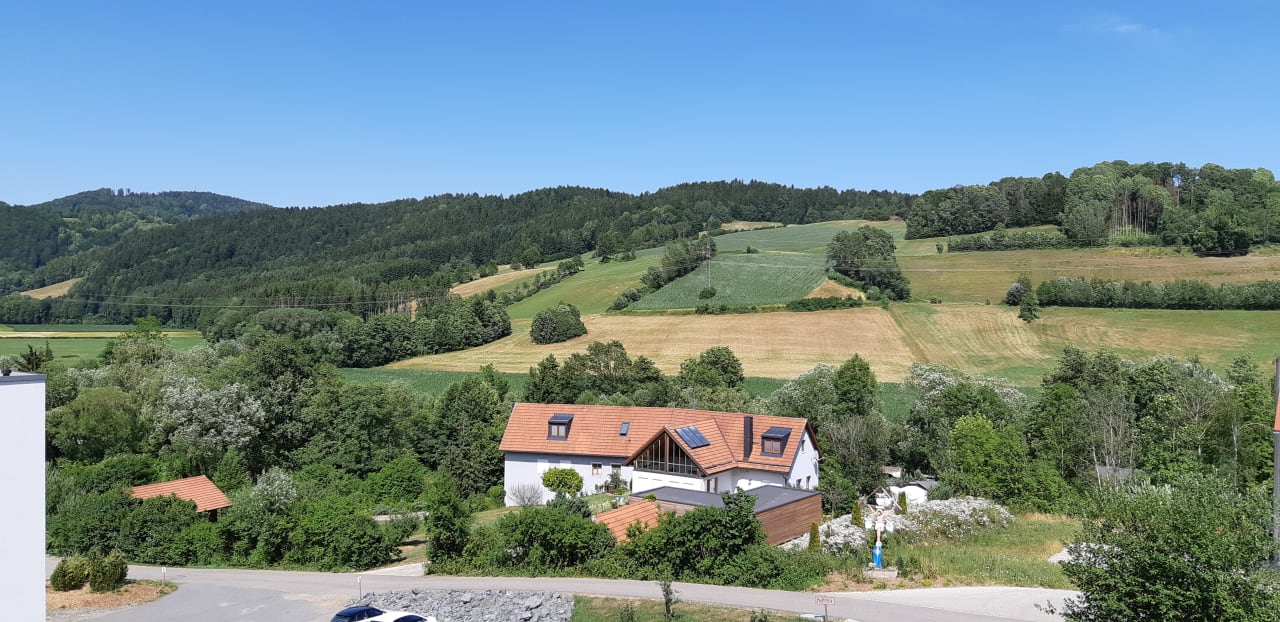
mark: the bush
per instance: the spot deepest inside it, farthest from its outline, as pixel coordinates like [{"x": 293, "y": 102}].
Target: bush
[
  {"x": 527, "y": 494},
  {"x": 71, "y": 574},
  {"x": 824, "y": 304},
  {"x": 562, "y": 481},
  {"x": 107, "y": 573},
  {"x": 399, "y": 528},
  {"x": 625, "y": 299},
  {"x": 707, "y": 292},
  {"x": 572, "y": 505},
  {"x": 559, "y": 323},
  {"x": 1179, "y": 294},
  {"x": 537, "y": 538}
]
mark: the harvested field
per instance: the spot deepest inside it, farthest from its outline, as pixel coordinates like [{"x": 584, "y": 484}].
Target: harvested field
[
  {"x": 774, "y": 345},
  {"x": 976, "y": 277},
  {"x": 747, "y": 225},
  {"x": 975, "y": 338},
  {"x": 832, "y": 289},
  {"x": 51, "y": 291},
  {"x": 480, "y": 286}
]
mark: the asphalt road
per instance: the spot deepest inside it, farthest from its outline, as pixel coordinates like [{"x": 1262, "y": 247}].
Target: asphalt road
[{"x": 221, "y": 595}]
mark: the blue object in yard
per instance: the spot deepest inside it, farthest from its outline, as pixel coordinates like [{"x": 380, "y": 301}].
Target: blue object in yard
[{"x": 877, "y": 557}]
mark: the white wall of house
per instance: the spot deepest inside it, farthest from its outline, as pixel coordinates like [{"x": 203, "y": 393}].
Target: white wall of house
[
  {"x": 22, "y": 415},
  {"x": 804, "y": 471},
  {"x": 747, "y": 479},
  {"x": 915, "y": 494},
  {"x": 527, "y": 468},
  {"x": 648, "y": 480}
]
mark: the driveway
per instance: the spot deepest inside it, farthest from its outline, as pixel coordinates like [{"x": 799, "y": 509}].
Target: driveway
[{"x": 219, "y": 595}]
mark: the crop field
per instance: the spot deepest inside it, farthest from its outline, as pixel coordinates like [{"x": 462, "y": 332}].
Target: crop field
[
  {"x": 986, "y": 339},
  {"x": 977, "y": 277},
  {"x": 802, "y": 238},
  {"x": 51, "y": 291},
  {"x": 740, "y": 280}
]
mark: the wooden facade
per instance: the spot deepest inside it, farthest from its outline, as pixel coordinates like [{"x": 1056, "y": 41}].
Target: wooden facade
[{"x": 792, "y": 520}]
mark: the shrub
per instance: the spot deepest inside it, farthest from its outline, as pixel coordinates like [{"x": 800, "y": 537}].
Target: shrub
[
  {"x": 559, "y": 323},
  {"x": 902, "y": 502},
  {"x": 107, "y": 573},
  {"x": 538, "y": 538},
  {"x": 399, "y": 527},
  {"x": 573, "y": 505},
  {"x": 562, "y": 481},
  {"x": 824, "y": 304},
  {"x": 71, "y": 574},
  {"x": 815, "y": 539},
  {"x": 527, "y": 494},
  {"x": 707, "y": 292},
  {"x": 625, "y": 299},
  {"x": 628, "y": 613}
]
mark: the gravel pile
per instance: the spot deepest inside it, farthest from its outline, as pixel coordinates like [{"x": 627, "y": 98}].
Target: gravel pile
[
  {"x": 949, "y": 518},
  {"x": 476, "y": 605}
]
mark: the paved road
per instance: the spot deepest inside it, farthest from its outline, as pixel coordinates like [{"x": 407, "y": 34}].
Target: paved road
[{"x": 220, "y": 595}]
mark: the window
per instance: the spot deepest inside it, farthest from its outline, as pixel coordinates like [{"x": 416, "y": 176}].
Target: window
[
  {"x": 624, "y": 429},
  {"x": 713, "y": 485},
  {"x": 596, "y": 467},
  {"x": 664, "y": 455},
  {"x": 616, "y": 469},
  {"x": 558, "y": 426},
  {"x": 797, "y": 482},
  {"x": 774, "y": 441},
  {"x": 808, "y": 481}
]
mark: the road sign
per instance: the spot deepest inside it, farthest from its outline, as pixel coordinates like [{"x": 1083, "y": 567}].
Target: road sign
[{"x": 826, "y": 600}]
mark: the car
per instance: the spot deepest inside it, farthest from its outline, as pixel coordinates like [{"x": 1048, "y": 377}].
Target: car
[
  {"x": 401, "y": 616},
  {"x": 357, "y": 613}
]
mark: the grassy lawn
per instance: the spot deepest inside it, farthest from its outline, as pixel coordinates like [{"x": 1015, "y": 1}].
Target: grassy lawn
[
  {"x": 489, "y": 517},
  {"x": 71, "y": 349},
  {"x": 740, "y": 280},
  {"x": 1017, "y": 555},
  {"x": 601, "y": 609}
]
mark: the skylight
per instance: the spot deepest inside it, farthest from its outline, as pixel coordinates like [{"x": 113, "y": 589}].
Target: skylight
[{"x": 626, "y": 427}]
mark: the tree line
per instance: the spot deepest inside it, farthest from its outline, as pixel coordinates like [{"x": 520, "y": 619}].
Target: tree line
[
  {"x": 1210, "y": 209},
  {"x": 1068, "y": 291}
]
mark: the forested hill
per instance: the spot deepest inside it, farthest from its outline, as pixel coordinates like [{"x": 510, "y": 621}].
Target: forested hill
[
  {"x": 53, "y": 241},
  {"x": 354, "y": 256}
]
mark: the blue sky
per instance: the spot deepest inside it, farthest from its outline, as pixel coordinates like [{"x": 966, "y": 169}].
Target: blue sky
[{"x": 316, "y": 103}]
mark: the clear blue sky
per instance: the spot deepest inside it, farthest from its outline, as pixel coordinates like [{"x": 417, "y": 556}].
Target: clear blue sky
[{"x": 314, "y": 103}]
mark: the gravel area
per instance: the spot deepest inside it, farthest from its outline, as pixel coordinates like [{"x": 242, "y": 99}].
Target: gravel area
[
  {"x": 476, "y": 605},
  {"x": 948, "y": 518}
]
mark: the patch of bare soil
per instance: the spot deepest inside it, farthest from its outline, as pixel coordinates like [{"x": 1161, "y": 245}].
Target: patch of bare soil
[
  {"x": 82, "y": 603},
  {"x": 479, "y": 286}
]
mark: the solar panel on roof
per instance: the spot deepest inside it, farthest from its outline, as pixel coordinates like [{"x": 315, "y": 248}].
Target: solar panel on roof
[
  {"x": 692, "y": 437},
  {"x": 561, "y": 418}
]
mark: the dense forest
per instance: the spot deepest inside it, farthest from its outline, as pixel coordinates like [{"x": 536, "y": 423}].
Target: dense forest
[
  {"x": 181, "y": 256},
  {"x": 364, "y": 258},
  {"x": 1211, "y": 209}
]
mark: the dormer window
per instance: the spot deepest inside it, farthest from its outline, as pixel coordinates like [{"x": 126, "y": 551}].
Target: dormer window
[
  {"x": 774, "y": 441},
  {"x": 558, "y": 426}
]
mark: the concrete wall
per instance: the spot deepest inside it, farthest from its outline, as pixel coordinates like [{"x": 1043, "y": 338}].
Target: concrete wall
[
  {"x": 22, "y": 548},
  {"x": 527, "y": 468},
  {"x": 648, "y": 480}
]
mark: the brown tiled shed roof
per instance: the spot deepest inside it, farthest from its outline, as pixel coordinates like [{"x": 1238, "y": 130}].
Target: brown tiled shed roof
[
  {"x": 595, "y": 432},
  {"x": 199, "y": 489},
  {"x": 618, "y": 519}
]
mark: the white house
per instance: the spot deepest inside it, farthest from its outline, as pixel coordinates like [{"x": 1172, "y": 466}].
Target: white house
[
  {"x": 22, "y": 410},
  {"x": 650, "y": 448}
]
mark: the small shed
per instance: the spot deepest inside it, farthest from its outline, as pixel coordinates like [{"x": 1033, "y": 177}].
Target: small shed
[
  {"x": 786, "y": 513},
  {"x": 206, "y": 495}
]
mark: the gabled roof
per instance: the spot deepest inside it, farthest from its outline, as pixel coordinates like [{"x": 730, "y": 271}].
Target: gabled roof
[
  {"x": 199, "y": 489},
  {"x": 618, "y": 519},
  {"x": 595, "y": 432}
]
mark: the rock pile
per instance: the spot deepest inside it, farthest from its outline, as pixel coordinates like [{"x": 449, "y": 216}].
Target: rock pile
[
  {"x": 948, "y": 518},
  {"x": 476, "y": 605}
]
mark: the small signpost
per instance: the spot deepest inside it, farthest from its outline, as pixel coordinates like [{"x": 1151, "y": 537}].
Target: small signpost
[{"x": 825, "y": 601}]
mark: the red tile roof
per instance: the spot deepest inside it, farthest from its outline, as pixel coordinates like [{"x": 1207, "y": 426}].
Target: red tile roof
[
  {"x": 594, "y": 432},
  {"x": 199, "y": 489},
  {"x": 618, "y": 519}
]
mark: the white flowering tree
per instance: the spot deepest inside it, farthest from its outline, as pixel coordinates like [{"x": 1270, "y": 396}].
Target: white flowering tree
[{"x": 202, "y": 423}]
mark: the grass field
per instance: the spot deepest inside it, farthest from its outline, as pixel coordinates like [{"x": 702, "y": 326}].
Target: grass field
[
  {"x": 740, "y": 280},
  {"x": 602, "y": 609},
  {"x": 51, "y": 291},
  {"x": 1017, "y": 555},
  {"x": 500, "y": 281},
  {"x": 592, "y": 290},
  {"x": 71, "y": 349}
]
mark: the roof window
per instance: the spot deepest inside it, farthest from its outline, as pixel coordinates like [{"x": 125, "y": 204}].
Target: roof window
[
  {"x": 624, "y": 428},
  {"x": 774, "y": 440},
  {"x": 558, "y": 426}
]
